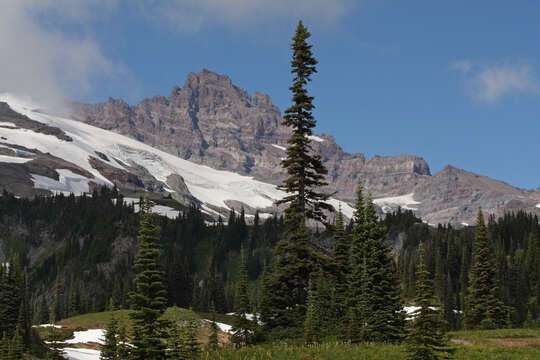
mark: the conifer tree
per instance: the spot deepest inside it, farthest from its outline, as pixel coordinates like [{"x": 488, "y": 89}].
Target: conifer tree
[
  {"x": 426, "y": 339},
  {"x": 148, "y": 300},
  {"x": 356, "y": 280},
  {"x": 306, "y": 170},
  {"x": 242, "y": 328},
  {"x": 109, "y": 350},
  {"x": 4, "y": 346},
  {"x": 295, "y": 258},
  {"x": 43, "y": 313},
  {"x": 484, "y": 309},
  {"x": 123, "y": 349},
  {"x": 384, "y": 320},
  {"x": 213, "y": 341},
  {"x": 177, "y": 349},
  {"x": 341, "y": 270},
  {"x": 311, "y": 324},
  {"x": 54, "y": 352},
  {"x": 59, "y": 298},
  {"x": 191, "y": 343}
]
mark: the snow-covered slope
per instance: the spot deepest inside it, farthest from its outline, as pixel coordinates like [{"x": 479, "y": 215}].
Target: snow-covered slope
[
  {"x": 404, "y": 201},
  {"x": 210, "y": 186}
]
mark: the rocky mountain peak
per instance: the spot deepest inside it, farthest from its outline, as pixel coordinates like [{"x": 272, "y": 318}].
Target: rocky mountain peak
[{"x": 211, "y": 121}]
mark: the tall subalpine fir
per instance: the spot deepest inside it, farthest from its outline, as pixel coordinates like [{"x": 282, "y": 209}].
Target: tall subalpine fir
[
  {"x": 374, "y": 300},
  {"x": 294, "y": 257},
  {"x": 109, "y": 350},
  {"x": 242, "y": 328},
  {"x": 148, "y": 300},
  {"x": 306, "y": 170},
  {"x": 426, "y": 339},
  {"x": 356, "y": 283},
  {"x": 483, "y": 307},
  {"x": 341, "y": 271}
]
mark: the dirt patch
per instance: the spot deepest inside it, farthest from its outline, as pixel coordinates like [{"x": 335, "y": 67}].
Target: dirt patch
[{"x": 515, "y": 342}]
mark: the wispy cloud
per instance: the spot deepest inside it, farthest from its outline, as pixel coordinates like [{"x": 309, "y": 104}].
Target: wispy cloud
[
  {"x": 491, "y": 83},
  {"x": 196, "y": 15},
  {"x": 40, "y": 61}
]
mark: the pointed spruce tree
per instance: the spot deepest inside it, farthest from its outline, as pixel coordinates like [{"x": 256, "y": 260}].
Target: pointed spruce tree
[
  {"x": 148, "y": 300},
  {"x": 109, "y": 350},
  {"x": 341, "y": 272},
  {"x": 484, "y": 309},
  {"x": 242, "y": 327},
  {"x": 383, "y": 319},
  {"x": 356, "y": 285},
  {"x": 426, "y": 338}
]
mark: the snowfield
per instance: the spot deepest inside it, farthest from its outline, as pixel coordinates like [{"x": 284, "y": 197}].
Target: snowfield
[
  {"x": 13, "y": 159},
  {"x": 81, "y": 354},
  {"x": 157, "y": 209},
  {"x": 67, "y": 183},
  {"x": 403, "y": 201},
  {"x": 316, "y": 138},
  {"x": 538, "y": 205},
  {"x": 279, "y": 147},
  {"x": 87, "y": 336},
  {"x": 210, "y": 186},
  {"x": 223, "y": 327}
]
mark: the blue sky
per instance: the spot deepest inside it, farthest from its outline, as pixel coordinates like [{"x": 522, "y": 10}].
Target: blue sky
[{"x": 453, "y": 82}]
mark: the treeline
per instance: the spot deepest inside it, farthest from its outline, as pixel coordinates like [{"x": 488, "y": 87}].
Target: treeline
[{"x": 514, "y": 242}]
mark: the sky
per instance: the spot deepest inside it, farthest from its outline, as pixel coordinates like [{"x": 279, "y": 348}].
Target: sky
[{"x": 454, "y": 82}]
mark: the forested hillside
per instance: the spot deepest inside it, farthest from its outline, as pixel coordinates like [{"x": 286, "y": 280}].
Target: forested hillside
[{"x": 78, "y": 253}]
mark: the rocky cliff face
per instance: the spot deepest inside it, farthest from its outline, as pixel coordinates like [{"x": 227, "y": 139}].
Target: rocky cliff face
[{"x": 212, "y": 122}]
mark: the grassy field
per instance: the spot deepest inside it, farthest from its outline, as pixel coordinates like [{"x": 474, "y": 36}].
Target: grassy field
[{"x": 503, "y": 344}]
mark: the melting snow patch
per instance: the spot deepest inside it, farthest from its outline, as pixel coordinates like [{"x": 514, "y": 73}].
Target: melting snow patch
[
  {"x": 83, "y": 337},
  {"x": 7, "y": 124},
  {"x": 464, "y": 224},
  {"x": 47, "y": 325},
  {"x": 157, "y": 209},
  {"x": 404, "y": 201},
  {"x": 81, "y": 354},
  {"x": 68, "y": 182},
  {"x": 13, "y": 159},
  {"x": 315, "y": 138},
  {"x": 279, "y": 147},
  {"x": 223, "y": 327},
  {"x": 538, "y": 205}
]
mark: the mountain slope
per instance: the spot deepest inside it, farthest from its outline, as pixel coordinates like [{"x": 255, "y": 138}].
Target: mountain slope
[{"x": 87, "y": 156}]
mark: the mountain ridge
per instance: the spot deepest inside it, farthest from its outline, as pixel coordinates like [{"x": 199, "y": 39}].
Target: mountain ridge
[
  {"x": 213, "y": 122},
  {"x": 210, "y": 124}
]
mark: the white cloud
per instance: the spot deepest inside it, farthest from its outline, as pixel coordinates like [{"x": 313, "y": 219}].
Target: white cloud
[
  {"x": 42, "y": 62},
  {"x": 489, "y": 84},
  {"x": 195, "y": 15}
]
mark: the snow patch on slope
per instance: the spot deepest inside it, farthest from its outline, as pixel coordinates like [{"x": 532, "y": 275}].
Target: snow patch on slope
[
  {"x": 538, "y": 205},
  {"x": 87, "y": 336},
  {"x": 315, "y": 138},
  {"x": 13, "y": 159},
  {"x": 279, "y": 147},
  {"x": 68, "y": 182},
  {"x": 404, "y": 201},
  {"x": 157, "y": 209},
  {"x": 81, "y": 354},
  {"x": 7, "y": 124}
]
